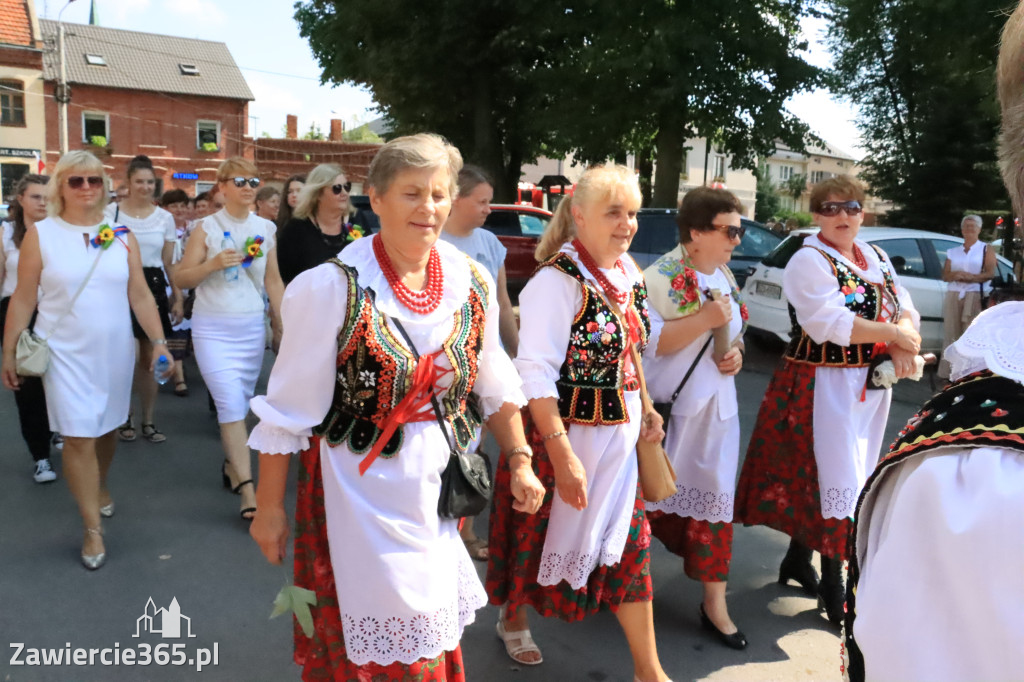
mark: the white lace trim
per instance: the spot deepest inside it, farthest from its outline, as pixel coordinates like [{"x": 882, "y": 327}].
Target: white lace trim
[
  {"x": 536, "y": 389},
  {"x": 838, "y": 503},
  {"x": 575, "y": 567},
  {"x": 382, "y": 639},
  {"x": 274, "y": 440},
  {"x": 490, "y": 405},
  {"x": 695, "y": 503},
  {"x": 992, "y": 342}
]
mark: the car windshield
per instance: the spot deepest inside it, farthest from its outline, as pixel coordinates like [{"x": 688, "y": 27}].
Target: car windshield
[
  {"x": 779, "y": 257},
  {"x": 757, "y": 242}
]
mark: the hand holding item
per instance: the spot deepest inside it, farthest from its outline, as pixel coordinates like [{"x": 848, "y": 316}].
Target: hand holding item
[
  {"x": 717, "y": 313},
  {"x": 723, "y": 342},
  {"x": 907, "y": 338},
  {"x": 269, "y": 529},
  {"x": 652, "y": 428},
  {"x": 226, "y": 259},
  {"x": 731, "y": 362}
]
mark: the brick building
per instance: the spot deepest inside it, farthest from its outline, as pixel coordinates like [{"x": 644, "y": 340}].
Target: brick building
[
  {"x": 22, "y": 136},
  {"x": 180, "y": 101}
]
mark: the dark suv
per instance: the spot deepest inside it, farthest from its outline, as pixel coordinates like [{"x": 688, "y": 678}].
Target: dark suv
[{"x": 657, "y": 234}]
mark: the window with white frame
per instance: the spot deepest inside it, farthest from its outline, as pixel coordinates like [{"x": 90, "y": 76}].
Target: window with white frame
[
  {"x": 785, "y": 173},
  {"x": 12, "y": 103},
  {"x": 720, "y": 167},
  {"x": 208, "y": 135},
  {"x": 96, "y": 128}
]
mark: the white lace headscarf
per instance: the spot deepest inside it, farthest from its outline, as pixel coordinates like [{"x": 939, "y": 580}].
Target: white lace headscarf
[{"x": 994, "y": 341}]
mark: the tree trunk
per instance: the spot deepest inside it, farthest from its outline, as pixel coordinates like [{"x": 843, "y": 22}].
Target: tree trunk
[
  {"x": 487, "y": 148},
  {"x": 645, "y": 168},
  {"x": 669, "y": 145}
]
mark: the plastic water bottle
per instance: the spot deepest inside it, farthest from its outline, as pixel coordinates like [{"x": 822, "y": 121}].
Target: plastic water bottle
[
  {"x": 230, "y": 274},
  {"x": 162, "y": 370}
]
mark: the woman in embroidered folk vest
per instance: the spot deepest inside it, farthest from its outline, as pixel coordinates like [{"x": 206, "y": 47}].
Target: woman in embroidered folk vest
[
  {"x": 703, "y": 438},
  {"x": 819, "y": 432},
  {"x": 935, "y": 572},
  {"x": 395, "y": 586},
  {"x": 588, "y": 548}
]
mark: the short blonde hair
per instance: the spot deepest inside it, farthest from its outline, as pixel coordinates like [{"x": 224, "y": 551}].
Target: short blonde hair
[
  {"x": 598, "y": 183},
  {"x": 236, "y": 167},
  {"x": 425, "y": 150},
  {"x": 78, "y": 160},
  {"x": 309, "y": 196}
]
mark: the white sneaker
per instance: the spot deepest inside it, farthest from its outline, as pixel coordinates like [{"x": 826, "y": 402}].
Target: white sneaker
[
  {"x": 44, "y": 474},
  {"x": 58, "y": 441}
]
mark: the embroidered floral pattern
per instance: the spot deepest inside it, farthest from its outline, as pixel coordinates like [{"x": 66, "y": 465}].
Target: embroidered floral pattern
[
  {"x": 684, "y": 290},
  {"x": 705, "y": 546}
]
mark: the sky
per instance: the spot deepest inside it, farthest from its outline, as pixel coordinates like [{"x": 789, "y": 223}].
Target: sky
[{"x": 285, "y": 78}]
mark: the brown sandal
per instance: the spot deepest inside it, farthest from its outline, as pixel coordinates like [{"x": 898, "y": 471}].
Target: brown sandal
[
  {"x": 477, "y": 548},
  {"x": 152, "y": 434}
]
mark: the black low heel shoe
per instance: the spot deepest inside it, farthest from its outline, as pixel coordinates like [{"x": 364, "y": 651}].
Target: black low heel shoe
[
  {"x": 831, "y": 592},
  {"x": 799, "y": 572},
  {"x": 736, "y": 640}
]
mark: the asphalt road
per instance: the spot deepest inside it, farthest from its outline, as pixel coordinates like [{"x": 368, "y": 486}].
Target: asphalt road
[{"x": 177, "y": 535}]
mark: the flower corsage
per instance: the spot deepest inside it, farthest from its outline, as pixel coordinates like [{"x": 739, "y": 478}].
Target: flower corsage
[
  {"x": 106, "y": 234},
  {"x": 353, "y": 232},
  {"x": 253, "y": 250}
]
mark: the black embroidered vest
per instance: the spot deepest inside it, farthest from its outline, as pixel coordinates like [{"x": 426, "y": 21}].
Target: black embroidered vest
[
  {"x": 862, "y": 297},
  {"x": 375, "y": 370},
  {"x": 591, "y": 381},
  {"x": 981, "y": 410}
]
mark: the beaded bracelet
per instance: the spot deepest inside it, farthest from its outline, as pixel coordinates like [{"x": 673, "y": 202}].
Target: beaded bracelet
[{"x": 556, "y": 434}]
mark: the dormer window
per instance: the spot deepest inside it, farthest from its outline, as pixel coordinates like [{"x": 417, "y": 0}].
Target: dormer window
[
  {"x": 95, "y": 60},
  {"x": 189, "y": 69}
]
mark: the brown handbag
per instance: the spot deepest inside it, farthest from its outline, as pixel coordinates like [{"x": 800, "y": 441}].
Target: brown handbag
[{"x": 657, "y": 477}]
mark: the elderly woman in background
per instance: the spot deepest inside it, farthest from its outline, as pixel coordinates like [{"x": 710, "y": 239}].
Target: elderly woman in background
[
  {"x": 228, "y": 324},
  {"x": 588, "y": 548},
  {"x": 322, "y": 224},
  {"x": 89, "y": 377},
  {"x": 268, "y": 203},
  {"x": 398, "y": 326},
  {"x": 819, "y": 430},
  {"x": 703, "y": 439},
  {"x": 28, "y": 207},
  {"x": 968, "y": 269},
  {"x": 289, "y": 199},
  {"x": 155, "y": 231}
]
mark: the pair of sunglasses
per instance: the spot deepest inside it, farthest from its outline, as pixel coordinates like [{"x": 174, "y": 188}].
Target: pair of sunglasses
[
  {"x": 77, "y": 181},
  {"x": 734, "y": 231},
  {"x": 240, "y": 182},
  {"x": 338, "y": 189},
  {"x": 830, "y": 209}
]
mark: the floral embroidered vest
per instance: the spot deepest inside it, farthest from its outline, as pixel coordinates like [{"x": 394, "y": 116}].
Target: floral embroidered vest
[
  {"x": 591, "y": 382},
  {"x": 981, "y": 410},
  {"x": 863, "y": 298},
  {"x": 375, "y": 370}
]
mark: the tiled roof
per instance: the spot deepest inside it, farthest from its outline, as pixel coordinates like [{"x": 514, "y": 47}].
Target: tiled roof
[
  {"x": 144, "y": 61},
  {"x": 15, "y": 25}
]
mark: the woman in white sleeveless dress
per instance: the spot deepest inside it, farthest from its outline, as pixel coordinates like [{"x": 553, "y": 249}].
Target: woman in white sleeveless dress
[
  {"x": 89, "y": 378},
  {"x": 228, "y": 328}
]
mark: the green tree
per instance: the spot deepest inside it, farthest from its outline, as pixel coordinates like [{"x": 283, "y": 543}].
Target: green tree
[
  {"x": 795, "y": 186},
  {"x": 924, "y": 76},
  {"x": 767, "y": 204},
  {"x": 361, "y": 133},
  {"x": 314, "y": 133}
]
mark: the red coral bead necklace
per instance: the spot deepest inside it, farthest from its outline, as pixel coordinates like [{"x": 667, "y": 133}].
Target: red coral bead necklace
[
  {"x": 610, "y": 289},
  {"x": 858, "y": 257},
  {"x": 419, "y": 302}
]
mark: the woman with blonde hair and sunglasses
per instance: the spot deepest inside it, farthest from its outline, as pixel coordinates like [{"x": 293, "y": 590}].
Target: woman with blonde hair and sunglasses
[
  {"x": 86, "y": 275},
  {"x": 322, "y": 225},
  {"x": 228, "y": 318},
  {"x": 588, "y": 547},
  {"x": 819, "y": 430}
]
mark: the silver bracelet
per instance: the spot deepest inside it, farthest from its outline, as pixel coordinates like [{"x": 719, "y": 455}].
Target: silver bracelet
[
  {"x": 521, "y": 450},
  {"x": 157, "y": 342}
]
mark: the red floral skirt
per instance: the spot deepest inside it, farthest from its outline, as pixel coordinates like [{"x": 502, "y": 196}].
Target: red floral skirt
[
  {"x": 517, "y": 543},
  {"x": 778, "y": 485},
  {"x": 705, "y": 546},
  {"x": 322, "y": 656}
]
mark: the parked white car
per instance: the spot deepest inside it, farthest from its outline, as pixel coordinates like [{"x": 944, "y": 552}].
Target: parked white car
[{"x": 917, "y": 256}]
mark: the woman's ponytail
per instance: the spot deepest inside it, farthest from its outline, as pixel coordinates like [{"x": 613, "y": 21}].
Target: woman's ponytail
[{"x": 560, "y": 230}]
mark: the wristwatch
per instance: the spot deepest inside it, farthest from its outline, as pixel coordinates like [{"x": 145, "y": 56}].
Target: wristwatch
[{"x": 521, "y": 450}]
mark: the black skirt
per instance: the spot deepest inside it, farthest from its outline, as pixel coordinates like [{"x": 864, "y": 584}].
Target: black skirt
[{"x": 158, "y": 285}]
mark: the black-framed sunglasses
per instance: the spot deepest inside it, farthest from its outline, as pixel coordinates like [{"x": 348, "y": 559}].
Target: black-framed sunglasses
[
  {"x": 339, "y": 188},
  {"x": 734, "y": 231},
  {"x": 77, "y": 181},
  {"x": 240, "y": 182},
  {"x": 830, "y": 209}
]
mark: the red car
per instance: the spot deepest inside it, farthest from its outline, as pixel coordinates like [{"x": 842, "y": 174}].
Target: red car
[{"x": 518, "y": 228}]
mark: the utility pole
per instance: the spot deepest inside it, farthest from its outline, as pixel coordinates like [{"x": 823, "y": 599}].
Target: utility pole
[{"x": 63, "y": 93}]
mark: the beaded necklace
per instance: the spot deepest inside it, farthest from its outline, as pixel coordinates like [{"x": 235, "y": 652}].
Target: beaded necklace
[
  {"x": 419, "y": 302},
  {"x": 858, "y": 257},
  {"x": 609, "y": 289}
]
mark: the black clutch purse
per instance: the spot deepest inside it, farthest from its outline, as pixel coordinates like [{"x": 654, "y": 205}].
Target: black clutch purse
[{"x": 466, "y": 483}]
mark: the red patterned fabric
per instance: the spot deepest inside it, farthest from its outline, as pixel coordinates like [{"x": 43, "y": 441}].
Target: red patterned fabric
[
  {"x": 705, "y": 546},
  {"x": 778, "y": 485},
  {"x": 322, "y": 656},
  {"x": 517, "y": 543}
]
